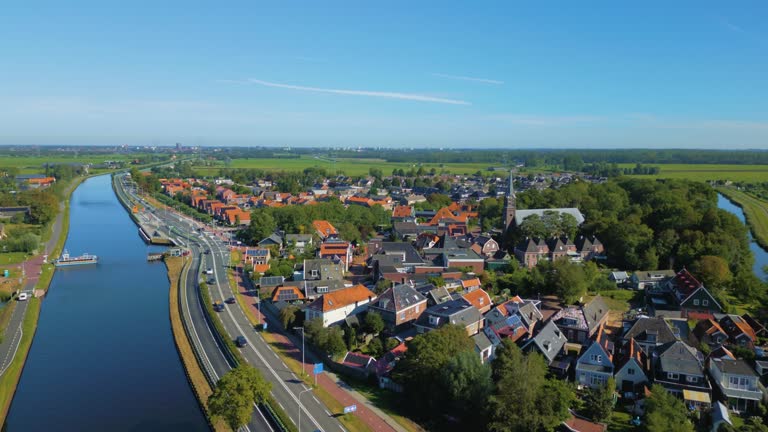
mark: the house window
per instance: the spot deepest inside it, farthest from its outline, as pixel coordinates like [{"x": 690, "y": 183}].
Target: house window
[
  {"x": 630, "y": 371},
  {"x": 433, "y": 320},
  {"x": 705, "y": 302},
  {"x": 692, "y": 379},
  {"x": 322, "y": 290},
  {"x": 417, "y": 308},
  {"x": 673, "y": 376},
  {"x": 599, "y": 359},
  {"x": 597, "y": 380},
  {"x": 695, "y": 302},
  {"x": 402, "y": 316},
  {"x": 314, "y": 273}
]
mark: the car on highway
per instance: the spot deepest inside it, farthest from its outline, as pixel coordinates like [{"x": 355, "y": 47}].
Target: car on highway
[
  {"x": 230, "y": 300},
  {"x": 209, "y": 271},
  {"x": 240, "y": 341},
  {"x": 218, "y": 306}
]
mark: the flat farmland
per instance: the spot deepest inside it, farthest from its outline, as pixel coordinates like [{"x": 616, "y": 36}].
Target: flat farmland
[
  {"x": 704, "y": 172},
  {"x": 34, "y": 164},
  {"x": 350, "y": 166}
]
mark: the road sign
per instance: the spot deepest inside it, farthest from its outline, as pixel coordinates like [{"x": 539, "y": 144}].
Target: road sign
[
  {"x": 350, "y": 409},
  {"x": 318, "y": 368}
]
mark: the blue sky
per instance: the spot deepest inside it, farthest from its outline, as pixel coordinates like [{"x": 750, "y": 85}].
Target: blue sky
[{"x": 408, "y": 74}]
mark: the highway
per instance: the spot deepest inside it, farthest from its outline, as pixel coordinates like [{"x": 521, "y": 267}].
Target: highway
[{"x": 287, "y": 389}]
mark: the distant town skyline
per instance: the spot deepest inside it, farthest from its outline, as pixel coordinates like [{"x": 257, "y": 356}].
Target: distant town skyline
[{"x": 425, "y": 75}]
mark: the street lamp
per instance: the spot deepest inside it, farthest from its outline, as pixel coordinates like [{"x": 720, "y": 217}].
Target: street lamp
[
  {"x": 298, "y": 402},
  {"x": 302, "y": 348}
]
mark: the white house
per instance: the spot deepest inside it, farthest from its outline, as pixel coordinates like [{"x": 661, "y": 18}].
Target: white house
[
  {"x": 336, "y": 306},
  {"x": 595, "y": 365},
  {"x": 631, "y": 369}
]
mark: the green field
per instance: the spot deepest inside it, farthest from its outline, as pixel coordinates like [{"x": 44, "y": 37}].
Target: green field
[
  {"x": 704, "y": 172},
  {"x": 352, "y": 167},
  {"x": 34, "y": 164}
]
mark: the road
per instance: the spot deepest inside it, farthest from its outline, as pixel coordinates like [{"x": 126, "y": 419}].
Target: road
[{"x": 287, "y": 389}]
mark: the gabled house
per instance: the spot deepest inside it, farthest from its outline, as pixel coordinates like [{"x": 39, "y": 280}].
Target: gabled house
[
  {"x": 256, "y": 256},
  {"x": 631, "y": 368},
  {"x": 579, "y": 323},
  {"x": 399, "y": 305},
  {"x": 274, "y": 239},
  {"x": 595, "y": 364},
  {"x": 737, "y": 383},
  {"x": 708, "y": 331},
  {"x": 679, "y": 368},
  {"x": 336, "y": 306},
  {"x": 287, "y": 294},
  {"x": 488, "y": 246},
  {"x": 325, "y": 229},
  {"x": 483, "y": 347},
  {"x": 694, "y": 300},
  {"x": 336, "y": 251},
  {"x": 548, "y": 341},
  {"x": 739, "y": 331},
  {"x": 456, "y": 312},
  {"x": 479, "y": 299},
  {"x": 650, "y": 333}
]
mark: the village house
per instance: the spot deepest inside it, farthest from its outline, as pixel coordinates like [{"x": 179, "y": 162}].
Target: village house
[
  {"x": 579, "y": 323},
  {"x": 650, "y": 333},
  {"x": 337, "y": 251},
  {"x": 737, "y": 384},
  {"x": 324, "y": 229},
  {"x": 595, "y": 364},
  {"x": 334, "y": 307},
  {"x": 257, "y": 256},
  {"x": 399, "y": 305},
  {"x": 631, "y": 368},
  {"x": 300, "y": 242},
  {"x": 456, "y": 312},
  {"x": 679, "y": 368},
  {"x": 548, "y": 341}
]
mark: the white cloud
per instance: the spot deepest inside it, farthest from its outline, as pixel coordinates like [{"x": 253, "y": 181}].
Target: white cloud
[
  {"x": 466, "y": 78},
  {"x": 369, "y": 93}
]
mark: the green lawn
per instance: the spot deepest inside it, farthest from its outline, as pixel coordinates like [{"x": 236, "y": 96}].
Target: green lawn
[
  {"x": 10, "y": 258},
  {"x": 705, "y": 172},
  {"x": 619, "y": 421}
]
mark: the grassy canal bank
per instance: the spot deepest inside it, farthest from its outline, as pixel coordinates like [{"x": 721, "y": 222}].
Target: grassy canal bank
[
  {"x": 755, "y": 211},
  {"x": 177, "y": 269}
]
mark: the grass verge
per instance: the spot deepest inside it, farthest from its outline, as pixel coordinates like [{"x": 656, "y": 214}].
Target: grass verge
[
  {"x": 755, "y": 210},
  {"x": 11, "y": 258},
  {"x": 195, "y": 375}
]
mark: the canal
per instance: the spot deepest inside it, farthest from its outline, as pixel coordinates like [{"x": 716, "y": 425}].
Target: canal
[
  {"x": 103, "y": 357},
  {"x": 760, "y": 254}
]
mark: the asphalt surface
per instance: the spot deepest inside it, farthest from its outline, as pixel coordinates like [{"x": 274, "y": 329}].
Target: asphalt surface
[{"x": 287, "y": 389}]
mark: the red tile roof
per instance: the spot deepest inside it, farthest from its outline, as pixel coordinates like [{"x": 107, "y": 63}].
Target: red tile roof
[{"x": 341, "y": 298}]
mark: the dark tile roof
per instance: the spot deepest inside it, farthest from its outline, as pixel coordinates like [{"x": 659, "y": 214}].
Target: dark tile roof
[
  {"x": 398, "y": 297},
  {"x": 679, "y": 357},
  {"x": 454, "y": 311},
  {"x": 734, "y": 367},
  {"x": 594, "y": 312},
  {"x": 656, "y": 326}
]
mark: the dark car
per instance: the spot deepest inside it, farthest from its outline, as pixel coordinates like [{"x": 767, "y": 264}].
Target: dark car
[
  {"x": 240, "y": 341},
  {"x": 230, "y": 300},
  {"x": 218, "y": 306}
]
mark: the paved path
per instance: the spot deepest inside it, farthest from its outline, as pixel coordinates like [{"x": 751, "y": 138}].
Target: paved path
[{"x": 372, "y": 416}]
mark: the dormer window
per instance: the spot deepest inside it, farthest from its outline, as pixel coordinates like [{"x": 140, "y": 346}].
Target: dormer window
[
  {"x": 314, "y": 273},
  {"x": 673, "y": 376},
  {"x": 433, "y": 320},
  {"x": 692, "y": 379}
]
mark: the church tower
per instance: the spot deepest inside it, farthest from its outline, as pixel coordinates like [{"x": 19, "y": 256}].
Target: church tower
[{"x": 509, "y": 203}]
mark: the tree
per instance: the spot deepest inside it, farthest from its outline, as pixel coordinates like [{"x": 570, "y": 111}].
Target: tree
[
  {"x": 288, "y": 315},
  {"x": 373, "y": 322},
  {"x": 334, "y": 343},
  {"x": 665, "y": 413},
  {"x": 382, "y": 285},
  {"x": 524, "y": 399},
  {"x": 468, "y": 383},
  {"x": 236, "y": 392},
  {"x": 568, "y": 280},
  {"x": 713, "y": 272},
  {"x": 351, "y": 335},
  {"x": 420, "y": 368},
  {"x": 600, "y": 401},
  {"x": 375, "y": 347}
]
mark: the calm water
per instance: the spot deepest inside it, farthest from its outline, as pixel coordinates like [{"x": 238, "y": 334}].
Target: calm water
[
  {"x": 103, "y": 358},
  {"x": 761, "y": 256}
]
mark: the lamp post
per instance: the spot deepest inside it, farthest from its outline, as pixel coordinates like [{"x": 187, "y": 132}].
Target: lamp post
[
  {"x": 298, "y": 402},
  {"x": 302, "y": 349}
]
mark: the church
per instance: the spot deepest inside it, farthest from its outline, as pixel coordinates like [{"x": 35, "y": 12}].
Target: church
[{"x": 514, "y": 217}]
